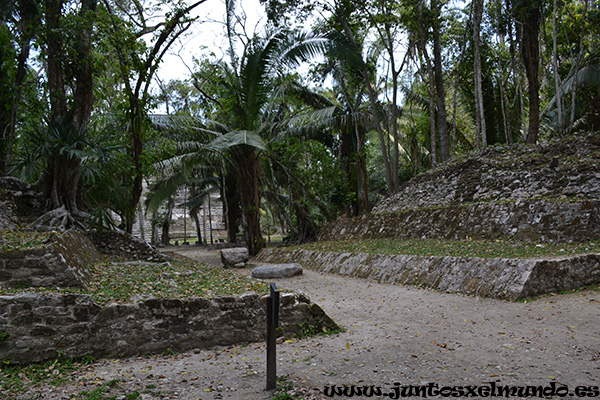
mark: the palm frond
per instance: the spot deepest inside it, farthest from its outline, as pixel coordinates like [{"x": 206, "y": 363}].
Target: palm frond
[
  {"x": 415, "y": 98},
  {"x": 308, "y": 96},
  {"x": 187, "y": 125},
  {"x": 235, "y": 138},
  {"x": 587, "y": 76},
  {"x": 163, "y": 189},
  {"x": 197, "y": 201}
]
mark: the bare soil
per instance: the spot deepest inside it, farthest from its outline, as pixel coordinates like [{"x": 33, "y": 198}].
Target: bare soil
[{"x": 392, "y": 334}]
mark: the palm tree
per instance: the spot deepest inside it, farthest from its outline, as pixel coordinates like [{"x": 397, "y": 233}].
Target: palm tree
[
  {"x": 584, "y": 109},
  {"x": 346, "y": 115},
  {"x": 247, "y": 87}
]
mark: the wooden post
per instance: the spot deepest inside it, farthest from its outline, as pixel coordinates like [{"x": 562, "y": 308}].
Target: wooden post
[{"x": 272, "y": 323}]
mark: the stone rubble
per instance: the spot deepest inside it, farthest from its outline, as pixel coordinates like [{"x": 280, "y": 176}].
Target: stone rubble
[{"x": 567, "y": 168}]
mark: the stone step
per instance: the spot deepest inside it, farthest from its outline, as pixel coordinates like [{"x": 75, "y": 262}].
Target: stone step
[
  {"x": 510, "y": 279},
  {"x": 532, "y": 220}
]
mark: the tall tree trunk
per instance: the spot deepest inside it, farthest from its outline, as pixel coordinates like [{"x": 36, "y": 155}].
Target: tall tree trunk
[
  {"x": 165, "y": 34},
  {"x": 557, "y": 81},
  {"x": 463, "y": 45},
  {"x": 395, "y": 133},
  {"x": 56, "y": 84},
  {"x": 248, "y": 171},
  {"x": 84, "y": 94},
  {"x": 27, "y": 27},
  {"x": 210, "y": 229},
  {"x": 373, "y": 104},
  {"x": 479, "y": 109},
  {"x": 136, "y": 120},
  {"x": 577, "y": 62},
  {"x": 194, "y": 215},
  {"x": 528, "y": 13},
  {"x": 306, "y": 223},
  {"x": 422, "y": 46},
  {"x": 166, "y": 223},
  {"x": 154, "y": 235},
  {"x": 68, "y": 120},
  {"x": 363, "y": 178},
  {"x": 517, "y": 72},
  {"x": 375, "y": 112},
  {"x": 357, "y": 134},
  {"x": 350, "y": 182},
  {"x": 439, "y": 84},
  {"x": 388, "y": 38},
  {"x": 506, "y": 119},
  {"x": 232, "y": 201}
]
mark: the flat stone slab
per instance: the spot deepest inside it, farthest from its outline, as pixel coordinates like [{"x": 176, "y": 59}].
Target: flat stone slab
[{"x": 272, "y": 271}]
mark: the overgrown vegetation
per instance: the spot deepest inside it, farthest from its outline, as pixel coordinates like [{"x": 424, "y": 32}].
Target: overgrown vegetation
[
  {"x": 18, "y": 239},
  {"x": 285, "y": 390},
  {"x": 282, "y": 146},
  {"x": 17, "y": 379},
  {"x": 307, "y": 329},
  {"x": 456, "y": 248},
  {"x": 180, "y": 278}
]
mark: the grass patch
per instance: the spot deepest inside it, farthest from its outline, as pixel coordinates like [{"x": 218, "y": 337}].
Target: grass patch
[
  {"x": 180, "y": 278},
  {"x": 285, "y": 390},
  {"x": 455, "y": 248},
  {"x": 308, "y": 330},
  {"x": 17, "y": 239},
  {"x": 16, "y": 379}
]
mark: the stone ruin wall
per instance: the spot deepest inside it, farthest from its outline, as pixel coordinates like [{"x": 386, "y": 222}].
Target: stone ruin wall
[
  {"x": 35, "y": 327},
  {"x": 60, "y": 263},
  {"x": 544, "y": 193},
  {"x": 522, "y": 220},
  {"x": 121, "y": 244}
]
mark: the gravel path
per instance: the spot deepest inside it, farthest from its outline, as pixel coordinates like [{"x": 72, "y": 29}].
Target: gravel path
[{"x": 393, "y": 334}]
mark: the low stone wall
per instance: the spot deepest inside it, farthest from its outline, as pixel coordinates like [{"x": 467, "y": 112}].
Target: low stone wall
[
  {"x": 503, "y": 278},
  {"x": 524, "y": 220},
  {"x": 36, "y": 327},
  {"x": 60, "y": 263}
]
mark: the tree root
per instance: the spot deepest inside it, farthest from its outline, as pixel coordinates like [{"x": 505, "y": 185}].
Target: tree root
[{"x": 60, "y": 219}]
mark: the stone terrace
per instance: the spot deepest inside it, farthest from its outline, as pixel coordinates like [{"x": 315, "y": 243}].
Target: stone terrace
[{"x": 544, "y": 193}]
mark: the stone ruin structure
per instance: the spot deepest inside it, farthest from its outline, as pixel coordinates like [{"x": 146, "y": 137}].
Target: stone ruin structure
[
  {"x": 38, "y": 326},
  {"x": 549, "y": 193}
]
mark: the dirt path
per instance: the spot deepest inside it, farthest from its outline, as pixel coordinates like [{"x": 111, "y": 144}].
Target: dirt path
[{"x": 393, "y": 334}]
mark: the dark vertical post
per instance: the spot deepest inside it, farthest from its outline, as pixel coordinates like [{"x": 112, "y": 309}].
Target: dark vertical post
[{"x": 272, "y": 323}]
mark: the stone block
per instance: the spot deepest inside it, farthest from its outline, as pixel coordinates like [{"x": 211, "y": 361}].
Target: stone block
[
  {"x": 274, "y": 271},
  {"x": 234, "y": 256}
]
